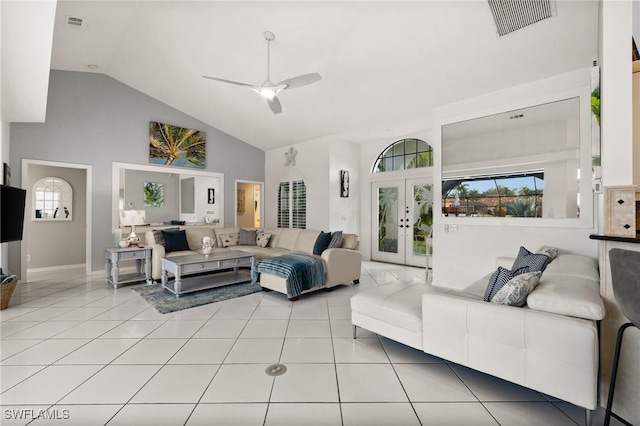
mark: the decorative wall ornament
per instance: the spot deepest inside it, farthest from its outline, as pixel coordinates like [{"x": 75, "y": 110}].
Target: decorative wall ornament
[
  {"x": 290, "y": 157},
  {"x": 344, "y": 183},
  {"x": 176, "y": 146},
  {"x": 153, "y": 194}
]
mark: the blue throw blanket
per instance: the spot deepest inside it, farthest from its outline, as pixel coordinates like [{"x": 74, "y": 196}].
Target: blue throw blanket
[{"x": 301, "y": 271}]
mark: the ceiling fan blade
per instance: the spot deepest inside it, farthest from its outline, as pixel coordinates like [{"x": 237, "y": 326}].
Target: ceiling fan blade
[
  {"x": 301, "y": 80},
  {"x": 275, "y": 105},
  {"x": 237, "y": 83}
]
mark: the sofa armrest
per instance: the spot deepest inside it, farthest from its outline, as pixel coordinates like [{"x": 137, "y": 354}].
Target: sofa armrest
[
  {"x": 551, "y": 353},
  {"x": 341, "y": 265},
  {"x": 157, "y": 253}
]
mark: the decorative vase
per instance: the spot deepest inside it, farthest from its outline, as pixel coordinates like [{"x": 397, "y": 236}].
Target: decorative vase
[{"x": 123, "y": 243}]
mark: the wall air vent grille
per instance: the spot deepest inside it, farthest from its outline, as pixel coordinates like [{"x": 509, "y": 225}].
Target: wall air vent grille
[
  {"x": 512, "y": 15},
  {"x": 72, "y": 21}
]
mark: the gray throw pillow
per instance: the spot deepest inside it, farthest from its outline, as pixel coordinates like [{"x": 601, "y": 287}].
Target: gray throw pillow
[
  {"x": 247, "y": 238},
  {"x": 336, "y": 239}
]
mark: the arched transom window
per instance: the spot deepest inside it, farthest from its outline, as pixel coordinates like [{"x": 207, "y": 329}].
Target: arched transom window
[{"x": 404, "y": 154}]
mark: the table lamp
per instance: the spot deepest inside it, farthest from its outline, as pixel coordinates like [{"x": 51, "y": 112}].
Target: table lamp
[{"x": 132, "y": 218}]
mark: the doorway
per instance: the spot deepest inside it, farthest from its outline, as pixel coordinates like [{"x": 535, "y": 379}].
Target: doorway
[
  {"x": 42, "y": 235},
  {"x": 403, "y": 216},
  {"x": 249, "y": 204}
]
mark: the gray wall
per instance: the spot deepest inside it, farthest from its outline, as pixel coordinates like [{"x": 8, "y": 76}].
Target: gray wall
[
  {"x": 96, "y": 120},
  {"x": 56, "y": 243}
]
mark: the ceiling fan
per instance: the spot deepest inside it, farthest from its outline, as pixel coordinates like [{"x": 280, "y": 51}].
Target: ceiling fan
[{"x": 268, "y": 90}]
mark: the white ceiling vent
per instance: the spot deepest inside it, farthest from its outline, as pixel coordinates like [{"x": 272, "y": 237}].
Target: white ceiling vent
[
  {"x": 512, "y": 15},
  {"x": 72, "y": 22}
]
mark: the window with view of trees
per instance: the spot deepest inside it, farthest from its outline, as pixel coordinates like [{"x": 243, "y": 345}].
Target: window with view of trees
[
  {"x": 494, "y": 196},
  {"x": 404, "y": 154}
]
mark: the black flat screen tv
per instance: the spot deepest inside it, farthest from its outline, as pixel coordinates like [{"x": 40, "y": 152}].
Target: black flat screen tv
[{"x": 12, "y": 213}]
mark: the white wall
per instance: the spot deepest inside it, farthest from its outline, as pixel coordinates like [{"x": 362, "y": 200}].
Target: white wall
[
  {"x": 460, "y": 257},
  {"x": 343, "y": 212}
]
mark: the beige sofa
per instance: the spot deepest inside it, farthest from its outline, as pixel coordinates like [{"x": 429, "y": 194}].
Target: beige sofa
[{"x": 342, "y": 265}]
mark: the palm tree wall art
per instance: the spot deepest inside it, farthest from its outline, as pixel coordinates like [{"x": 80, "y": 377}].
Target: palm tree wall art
[{"x": 176, "y": 146}]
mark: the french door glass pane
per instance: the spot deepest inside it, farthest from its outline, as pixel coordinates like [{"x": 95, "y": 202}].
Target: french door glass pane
[
  {"x": 422, "y": 218},
  {"x": 388, "y": 220}
]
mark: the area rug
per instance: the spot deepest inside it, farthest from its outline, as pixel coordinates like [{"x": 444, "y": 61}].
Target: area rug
[{"x": 165, "y": 302}]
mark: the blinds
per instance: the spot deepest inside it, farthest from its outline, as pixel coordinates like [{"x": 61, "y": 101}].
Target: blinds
[
  {"x": 283, "y": 205},
  {"x": 292, "y": 204},
  {"x": 299, "y": 201}
]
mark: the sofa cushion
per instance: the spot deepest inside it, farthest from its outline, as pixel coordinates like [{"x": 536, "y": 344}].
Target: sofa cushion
[
  {"x": 196, "y": 234},
  {"x": 349, "y": 241},
  {"x": 288, "y": 238},
  {"x": 322, "y": 242},
  {"x": 222, "y": 231},
  {"x": 305, "y": 241},
  {"x": 398, "y": 303},
  {"x": 515, "y": 292},
  {"x": 535, "y": 262},
  {"x": 247, "y": 237},
  {"x": 229, "y": 240},
  {"x": 175, "y": 240},
  {"x": 568, "y": 295},
  {"x": 262, "y": 239}
]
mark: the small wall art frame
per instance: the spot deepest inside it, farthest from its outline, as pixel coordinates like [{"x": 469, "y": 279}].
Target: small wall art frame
[
  {"x": 153, "y": 194},
  {"x": 344, "y": 183}
]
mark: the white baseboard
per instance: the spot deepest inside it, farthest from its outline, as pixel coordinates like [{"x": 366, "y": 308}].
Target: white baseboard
[{"x": 56, "y": 268}]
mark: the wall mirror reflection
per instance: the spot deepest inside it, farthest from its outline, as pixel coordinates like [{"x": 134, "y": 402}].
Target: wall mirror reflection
[
  {"x": 52, "y": 199},
  {"x": 523, "y": 163},
  {"x": 167, "y": 196}
]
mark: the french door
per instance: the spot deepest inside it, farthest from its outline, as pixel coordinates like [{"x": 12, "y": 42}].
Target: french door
[{"x": 403, "y": 216}]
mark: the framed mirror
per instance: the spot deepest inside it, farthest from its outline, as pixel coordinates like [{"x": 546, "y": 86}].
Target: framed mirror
[
  {"x": 52, "y": 199},
  {"x": 167, "y": 194},
  {"x": 530, "y": 165}
]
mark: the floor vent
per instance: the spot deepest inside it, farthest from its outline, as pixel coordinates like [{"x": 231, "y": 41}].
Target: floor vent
[
  {"x": 513, "y": 15},
  {"x": 275, "y": 370}
]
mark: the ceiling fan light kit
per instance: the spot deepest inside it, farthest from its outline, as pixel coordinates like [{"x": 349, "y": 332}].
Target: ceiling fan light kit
[{"x": 268, "y": 90}]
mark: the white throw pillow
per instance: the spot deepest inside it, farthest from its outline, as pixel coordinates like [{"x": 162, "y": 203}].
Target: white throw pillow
[{"x": 229, "y": 240}]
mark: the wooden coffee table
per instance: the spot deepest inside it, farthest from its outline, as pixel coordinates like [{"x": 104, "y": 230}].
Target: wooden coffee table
[{"x": 216, "y": 270}]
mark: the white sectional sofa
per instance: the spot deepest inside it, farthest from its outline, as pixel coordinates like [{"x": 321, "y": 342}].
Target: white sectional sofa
[
  {"x": 549, "y": 345},
  {"x": 342, "y": 265}
]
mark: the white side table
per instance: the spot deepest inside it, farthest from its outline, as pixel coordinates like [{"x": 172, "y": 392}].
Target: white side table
[{"x": 139, "y": 254}]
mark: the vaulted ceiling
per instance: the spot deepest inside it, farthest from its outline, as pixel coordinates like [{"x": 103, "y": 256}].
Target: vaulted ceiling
[{"x": 384, "y": 65}]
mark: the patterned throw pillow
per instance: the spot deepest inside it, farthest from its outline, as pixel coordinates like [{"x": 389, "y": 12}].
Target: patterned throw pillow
[
  {"x": 516, "y": 291},
  {"x": 322, "y": 242},
  {"x": 499, "y": 279},
  {"x": 552, "y": 252},
  {"x": 535, "y": 262},
  {"x": 262, "y": 239},
  {"x": 229, "y": 240},
  {"x": 336, "y": 239}
]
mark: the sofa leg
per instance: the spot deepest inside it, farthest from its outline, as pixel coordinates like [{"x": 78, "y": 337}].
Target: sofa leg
[
  {"x": 293, "y": 299},
  {"x": 266, "y": 289},
  {"x": 328, "y": 289},
  {"x": 356, "y": 282},
  {"x": 355, "y": 327}
]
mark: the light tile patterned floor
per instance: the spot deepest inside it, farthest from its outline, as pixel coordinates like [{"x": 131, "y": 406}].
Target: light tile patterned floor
[{"x": 76, "y": 349}]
